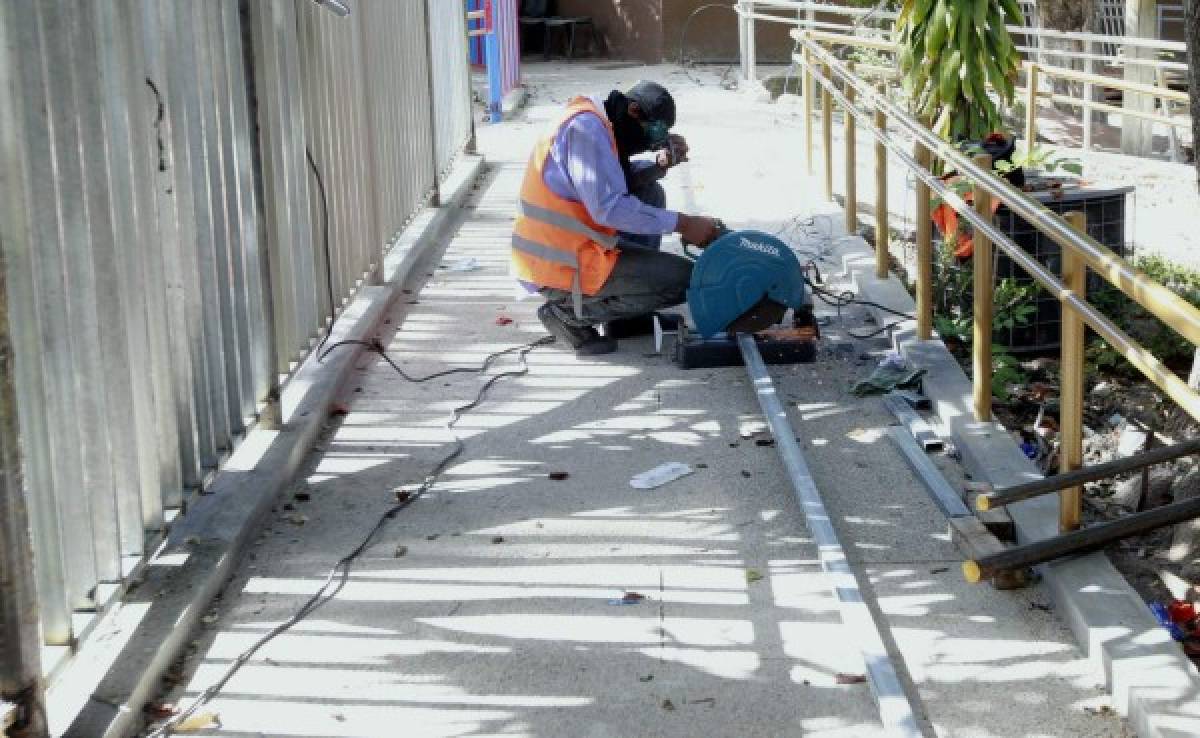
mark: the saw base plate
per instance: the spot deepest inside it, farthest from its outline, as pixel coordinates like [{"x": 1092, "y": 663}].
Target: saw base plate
[{"x": 693, "y": 351}]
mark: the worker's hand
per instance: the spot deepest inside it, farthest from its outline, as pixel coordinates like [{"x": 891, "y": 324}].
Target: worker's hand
[
  {"x": 698, "y": 230},
  {"x": 676, "y": 153}
]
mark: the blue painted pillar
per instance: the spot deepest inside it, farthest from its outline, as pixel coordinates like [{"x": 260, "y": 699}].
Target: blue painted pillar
[{"x": 491, "y": 52}]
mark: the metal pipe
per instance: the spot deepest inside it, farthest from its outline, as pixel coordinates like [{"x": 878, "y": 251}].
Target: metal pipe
[
  {"x": 850, "y": 161},
  {"x": 1147, "y": 363},
  {"x": 1156, "y": 298},
  {"x": 983, "y": 293},
  {"x": 1080, "y": 541},
  {"x": 882, "y": 234},
  {"x": 1071, "y": 370},
  {"x": 895, "y": 709},
  {"x": 830, "y": 9},
  {"x": 827, "y": 137},
  {"x": 1096, "y": 472},
  {"x": 1031, "y": 92},
  {"x": 808, "y": 115},
  {"x": 924, "y": 248}
]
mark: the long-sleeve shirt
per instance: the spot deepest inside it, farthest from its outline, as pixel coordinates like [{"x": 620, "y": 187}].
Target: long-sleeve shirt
[{"x": 582, "y": 167}]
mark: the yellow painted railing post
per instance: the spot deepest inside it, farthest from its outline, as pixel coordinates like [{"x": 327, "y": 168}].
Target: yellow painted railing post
[
  {"x": 1031, "y": 98},
  {"x": 809, "y": 92},
  {"x": 924, "y": 249},
  {"x": 849, "y": 131},
  {"x": 882, "y": 236},
  {"x": 1070, "y": 421},
  {"x": 827, "y": 132},
  {"x": 981, "y": 347}
]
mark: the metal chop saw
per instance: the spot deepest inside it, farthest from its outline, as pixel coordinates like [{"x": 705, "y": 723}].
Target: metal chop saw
[{"x": 745, "y": 282}]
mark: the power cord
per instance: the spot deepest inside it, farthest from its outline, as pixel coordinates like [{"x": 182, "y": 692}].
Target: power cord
[
  {"x": 325, "y": 236},
  {"x": 683, "y": 61},
  {"x": 340, "y": 573}
]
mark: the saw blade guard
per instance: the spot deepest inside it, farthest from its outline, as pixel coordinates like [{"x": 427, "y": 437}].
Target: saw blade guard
[{"x": 736, "y": 272}]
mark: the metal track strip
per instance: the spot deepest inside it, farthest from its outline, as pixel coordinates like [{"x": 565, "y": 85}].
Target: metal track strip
[{"x": 895, "y": 710}]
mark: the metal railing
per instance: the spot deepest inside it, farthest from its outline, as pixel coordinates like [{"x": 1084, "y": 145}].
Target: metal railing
[
  {"x": 191, "y": 192},
  {"x": 1144, "y": 60},
  {"x": 865, "y": 106}
]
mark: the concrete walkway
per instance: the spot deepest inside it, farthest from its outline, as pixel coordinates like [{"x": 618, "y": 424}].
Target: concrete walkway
[{"x": 491, "y": 605}]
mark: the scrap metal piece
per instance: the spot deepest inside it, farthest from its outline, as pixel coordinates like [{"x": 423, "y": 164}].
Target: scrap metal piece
[{"x": 920, "y": 430}]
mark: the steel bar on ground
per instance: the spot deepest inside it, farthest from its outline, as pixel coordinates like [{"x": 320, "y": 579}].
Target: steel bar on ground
[
  {"x": 895, "y": 710},
  {"x": 916, "y": 425},
  {"x": 1084, "y": 540},
  {"x": 1074, "y": 277},
  {"x": 1086, "y": 474},
  {"x": 984, "y": 289},
  {"x": 940, "y": 491}
]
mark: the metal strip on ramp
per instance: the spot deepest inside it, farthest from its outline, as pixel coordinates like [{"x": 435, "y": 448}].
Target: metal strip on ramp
[{"x": 895, "y": 710}]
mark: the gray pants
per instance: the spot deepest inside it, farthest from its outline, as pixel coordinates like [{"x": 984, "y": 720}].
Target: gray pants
[{"x": 644, "y": 279}]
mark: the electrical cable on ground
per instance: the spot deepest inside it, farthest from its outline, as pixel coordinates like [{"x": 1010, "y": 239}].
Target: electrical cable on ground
[{"x": 339, "y": 574}]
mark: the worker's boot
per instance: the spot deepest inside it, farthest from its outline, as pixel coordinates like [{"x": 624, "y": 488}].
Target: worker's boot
[{"x": 584, "y": 339}]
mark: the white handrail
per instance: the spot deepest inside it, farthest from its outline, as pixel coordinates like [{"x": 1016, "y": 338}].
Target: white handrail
[{"x": 1151, "y": 43}]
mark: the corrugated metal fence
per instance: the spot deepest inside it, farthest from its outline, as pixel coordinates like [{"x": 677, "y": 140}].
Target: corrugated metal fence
[{"x": 191, "y": 191}]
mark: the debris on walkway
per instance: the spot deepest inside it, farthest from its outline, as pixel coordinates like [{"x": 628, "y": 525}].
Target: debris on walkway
[{"x": 660, "y": 475}]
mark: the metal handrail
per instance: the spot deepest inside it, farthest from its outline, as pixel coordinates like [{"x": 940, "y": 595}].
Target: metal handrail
[
  {"x": 1150, "y": 43},
  {"x": 1109, "y": 59},
  {"x": 1050, "y": 70},
  {"x": 1154, "y": 297}
]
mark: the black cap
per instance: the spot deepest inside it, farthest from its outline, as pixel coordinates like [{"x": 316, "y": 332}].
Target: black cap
[{"x": 654, "y": 100}]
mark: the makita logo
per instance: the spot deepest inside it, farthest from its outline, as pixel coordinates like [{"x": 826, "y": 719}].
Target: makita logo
[{"x": 766, "y": 248}]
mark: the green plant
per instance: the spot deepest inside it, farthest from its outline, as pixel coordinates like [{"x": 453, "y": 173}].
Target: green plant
[
  {"x": 1164, "y": 343},
  {"x": 1014, "y": 304},
  {"x": 1040, "y": 159},
  {"x": 1006, "y": 372},
  {"x": 951, "y": 53}
]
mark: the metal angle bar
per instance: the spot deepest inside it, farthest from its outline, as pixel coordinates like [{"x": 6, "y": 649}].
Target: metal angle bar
[
  {"x": 940, "y": 491},
  {"x": 916, "y": 425},
  {"x": 895, "y": 709}
]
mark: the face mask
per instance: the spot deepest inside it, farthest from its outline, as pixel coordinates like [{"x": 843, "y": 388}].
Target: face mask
[
  {"x": 655, "y": 134},
  {"x": 629, "y": 131}
]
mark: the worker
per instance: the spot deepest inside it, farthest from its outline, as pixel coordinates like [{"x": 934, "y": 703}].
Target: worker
[{"x": 591, "y": 218}]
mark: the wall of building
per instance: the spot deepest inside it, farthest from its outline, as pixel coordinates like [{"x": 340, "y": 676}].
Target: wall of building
[
  {"x": 712, "y": 34},
  {"x": 652, "y": 30},
  {"x": 630, "y": 29}
]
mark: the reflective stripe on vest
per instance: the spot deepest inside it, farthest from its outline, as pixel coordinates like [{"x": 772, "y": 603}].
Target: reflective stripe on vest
[{"x": 566, "y": 222}]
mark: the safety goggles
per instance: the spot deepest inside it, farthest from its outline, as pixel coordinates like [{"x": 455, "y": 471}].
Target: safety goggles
[{"x": 656, "y": 133}]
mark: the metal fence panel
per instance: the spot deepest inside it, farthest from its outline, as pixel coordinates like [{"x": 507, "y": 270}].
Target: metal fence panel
[
  {"x": 163, "y": 239},
  {"x": 27, "y": 228},
  {"x": 451, "y": 77}
]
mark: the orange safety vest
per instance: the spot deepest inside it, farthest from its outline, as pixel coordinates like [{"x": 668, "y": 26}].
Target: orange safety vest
[{"x": 555, "y": 241}]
